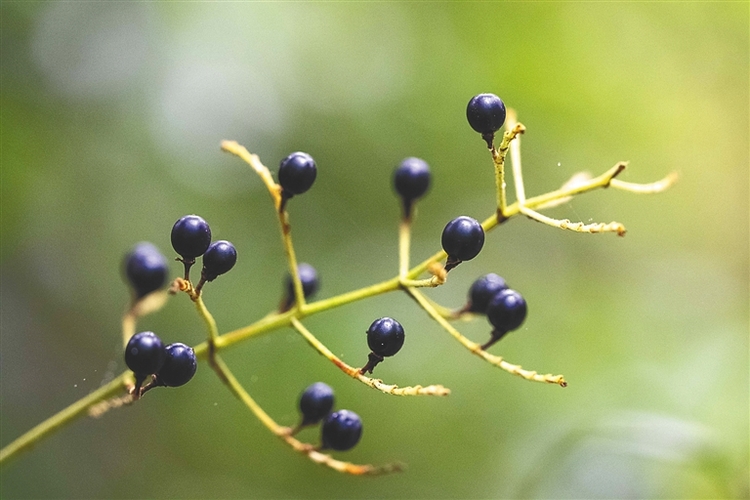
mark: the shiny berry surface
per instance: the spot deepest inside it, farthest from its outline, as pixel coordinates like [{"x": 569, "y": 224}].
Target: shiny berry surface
[
  {"x": 506, "y": 310},
  {"x": 412, "y": 178},
  {"x": 385, "y": 337},
  {"x": 145, "y": 353},
  {"x": 146, "y": 269},
  {"x": 463, "y": 238},
  {"x": 191, "y": 236},
  {"x": 341, "y": 430},
  {"x": 218, "y": 259},
  {"x": 179, "y": 365},
  {"x": 315, "y": 403},
  {"x": 297, "y": 173},
  {"x": 486, "y": 113},
  {"x": 482, "y": 291}
]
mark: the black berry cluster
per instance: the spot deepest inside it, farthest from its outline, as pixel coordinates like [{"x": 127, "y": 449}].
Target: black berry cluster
[
  {"x": 191, "y": 238},
  {"x": 385, "y": 337},
  {"x": 145, "y": 269},
  {"x": 505, "y": 308},
  {"x": 171, "y": 366},
  {"x": 340, "y": 430}
]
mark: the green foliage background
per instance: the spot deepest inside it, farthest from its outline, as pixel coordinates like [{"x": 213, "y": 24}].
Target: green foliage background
[{"x": 111, "y": 118}]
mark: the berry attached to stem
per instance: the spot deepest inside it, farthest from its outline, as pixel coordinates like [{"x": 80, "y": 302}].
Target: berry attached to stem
[
  {"x": 315, "y": 403},
  {"x": 297, "y": 173},
  {"x": 310, "y": 284},
  {"x": 179, "y": 366},
  {"x": 145, "y": 355},
  {"x": 482, "y": 291},
  {"x": 486, "y": 114},
  {"x": 463, "y": 239},
  {"x": 411, "y": 181},
  {"x": 385, "y": 337},
  {"x": 146, "y": 269},
  {"x": 218, "y": 259},
  {"x": 341, "y": 431},
  {"x": 506, "y": 312},
  {"x": 191, "y": 236}
]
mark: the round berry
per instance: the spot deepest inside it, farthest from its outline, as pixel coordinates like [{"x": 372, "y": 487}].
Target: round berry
[
  {"x": 309, "y": 278},
  {"x": 145, "y": 268},
  {"x": 506, "y": 311},
  {"x": 315, "y": 403},
  {"x": 341, "y": 430},
  {"x": 144, "y": 354},
  {"x": 385, "y": 337},
  {"x": 179, "y": 365},
  {"x": 486, "y": 113},
  {"x": 463, "y": 238},
  {"x": 411, "y": 180},
  {"x": 482, "y": 291},
  {"x": 191, "y": 236},
  {"x": 218, "y": 259},
  {"x": 297, "y": 173}
]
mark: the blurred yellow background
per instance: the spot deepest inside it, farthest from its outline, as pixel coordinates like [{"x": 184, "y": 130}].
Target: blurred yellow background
[{"x": 112, "y": 114}]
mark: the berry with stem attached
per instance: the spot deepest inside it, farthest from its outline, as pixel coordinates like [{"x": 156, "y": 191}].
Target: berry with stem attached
[
  {"x": 297, "y": 173},
  {"x": 191, "y": 237},
  {"x": 482, "y": 291},
  {"x": 310, "y": 284},
  {"x": 315, "y": 403},
  {"x": 385, "y": 337},
  {"x": 462, "y": 239},
  {"x": 145, "y": 355},
  {"x": 341, "y": 431},
  {"x": 411, "y": 181},
  {"x": 146, "y": 269},
  {"x": 179, "y": 366},
  {"x": 486, "y": 114},
  {"x": 218, "y": 259},
  {"x": 506, "y": 312}
]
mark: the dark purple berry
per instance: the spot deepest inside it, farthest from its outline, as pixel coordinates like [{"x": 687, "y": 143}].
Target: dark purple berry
[
  {"x": 411, "y": 181},
  {"x": 482, "y": 291},
  {"x": 144, "y": 354},
  {"x": 486, "y": 114},
  {"x": 506, "y": 312},
  {"x": 463, "y": 239},
  {"x": 218, "y": 259},
  {"x": 385, "y": 337},
  {"x": 315, "y": 403},
  {"x": 179, "y": 366},
  {"x": 341, "y": 431},
  {"x": 191, "y": 236},
  {"x": 145, "y": 269},
  {"x": 297, "y": 173},
  {"x": 310, "y": 284}
]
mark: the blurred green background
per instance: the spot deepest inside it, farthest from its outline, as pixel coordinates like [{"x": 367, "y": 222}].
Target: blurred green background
[{"x": 112, "y": 115}]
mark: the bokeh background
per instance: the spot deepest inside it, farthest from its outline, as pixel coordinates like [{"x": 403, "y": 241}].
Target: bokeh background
[{"x": 112, "y": 115}]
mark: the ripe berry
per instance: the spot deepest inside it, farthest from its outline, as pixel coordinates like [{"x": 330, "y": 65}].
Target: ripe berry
[
  {"x": 315, "y": 403},
  {"x": 146, "y": 269},
  {"x": 144, "y": 354},
  {"x": 385, "y": 337},
  {"x": 506, "y": 312},
  {"x": 310, "y": 284},
  {"x": 297, "y": 173},
  {"x": 486, "y": 114},
  {"x": 218, "y": 259},
  {"x": 191, "y": 236},
  {"x": 341, "y": 431},
  {"x": 462, "y": 239},
  {"x": 411, "y": 180},
  {"x": 179, "y": 366},
  {"x": 482, "y": 291}
]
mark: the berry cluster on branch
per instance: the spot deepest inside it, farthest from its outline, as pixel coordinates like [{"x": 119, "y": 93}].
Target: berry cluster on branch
[{"x": 462, "y": 239}]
